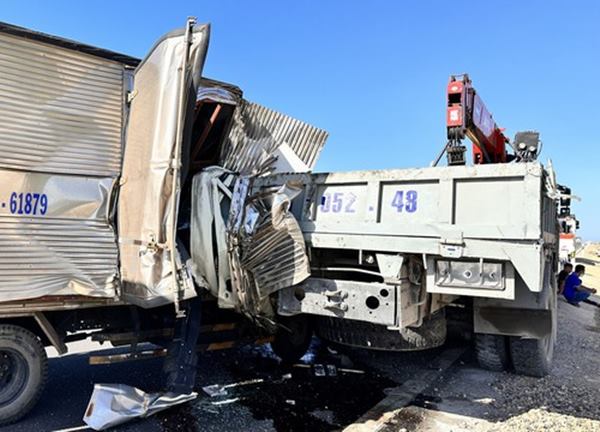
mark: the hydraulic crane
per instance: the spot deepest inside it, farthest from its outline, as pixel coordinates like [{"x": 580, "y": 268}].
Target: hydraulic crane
[{"x": 467, "y": 116}]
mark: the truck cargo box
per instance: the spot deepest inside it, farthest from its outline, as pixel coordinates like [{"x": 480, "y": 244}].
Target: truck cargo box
[{"x": 61, "y": 123}]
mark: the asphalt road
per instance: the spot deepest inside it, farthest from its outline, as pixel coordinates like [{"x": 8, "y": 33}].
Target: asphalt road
[{"x": 288, "y": 398}]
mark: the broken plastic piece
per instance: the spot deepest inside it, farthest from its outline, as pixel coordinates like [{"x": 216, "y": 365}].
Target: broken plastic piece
[{"x": 114, "y": 404}]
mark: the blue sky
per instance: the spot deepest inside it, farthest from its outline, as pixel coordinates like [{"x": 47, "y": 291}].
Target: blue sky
[{"x": 374, "y": 73}]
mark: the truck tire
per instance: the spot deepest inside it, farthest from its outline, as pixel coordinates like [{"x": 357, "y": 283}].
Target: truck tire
[
  {"x": 293, "y": 338},
  {"x": 492, "y": 351},
  {"x": 431, "y": 334},
  {"x": 533, "y": 357},
  {"x": 23, "y": 372}
]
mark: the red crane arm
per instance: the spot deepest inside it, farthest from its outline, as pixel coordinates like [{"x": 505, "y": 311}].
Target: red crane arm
[{"x": 468, "y": 116}]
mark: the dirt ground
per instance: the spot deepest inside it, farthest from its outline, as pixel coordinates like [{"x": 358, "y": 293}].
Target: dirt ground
[{"x": 591, "y": 261}]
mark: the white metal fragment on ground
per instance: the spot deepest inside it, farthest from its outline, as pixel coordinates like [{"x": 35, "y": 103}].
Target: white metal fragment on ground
[
  {"x": 215, "y": 390},
  {"x": 114, "y": 404},
  {"x": 485, "y": 401},
  {"x": 226, "y": 401}
]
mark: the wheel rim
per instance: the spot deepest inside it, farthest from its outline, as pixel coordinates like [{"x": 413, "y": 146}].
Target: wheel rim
[{"x": 13, "y": 375}]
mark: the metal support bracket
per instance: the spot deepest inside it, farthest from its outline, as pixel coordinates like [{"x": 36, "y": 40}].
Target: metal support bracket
[{"x": 50, "y": 332}]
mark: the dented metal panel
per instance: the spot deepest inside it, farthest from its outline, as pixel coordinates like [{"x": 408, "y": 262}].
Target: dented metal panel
[
  {"x": 252, "y": 242},
  {"x": 61, "y": 117},
  {"x": 145, "y": 213},
  {"x": 61, "y": 110},
  {"x": 272, "y": 247}
]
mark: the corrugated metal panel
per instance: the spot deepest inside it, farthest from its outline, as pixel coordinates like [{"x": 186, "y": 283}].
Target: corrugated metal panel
[
  {"x": 58, "y": 256},
  {"x": 266, "y": 248},
  {"x": 60, "y": 138},
  {"x": 61, "y": 109},
  {"x": 276, "y": 255},
  {"x": 68, "y": 248},
  {"x": 258, "y": 131}
]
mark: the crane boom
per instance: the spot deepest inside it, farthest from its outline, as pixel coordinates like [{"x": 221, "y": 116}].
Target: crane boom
[{"x": 467, "y": 116}]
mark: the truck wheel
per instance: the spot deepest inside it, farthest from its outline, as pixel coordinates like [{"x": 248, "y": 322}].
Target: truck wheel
[
  {"x": 533, "y": 357},
  {"x": 293, "y": 338},
  {"x": 492, "y": 351},
  {"x": 431, "y": 334},
  {"x": 23, "y": 372}
]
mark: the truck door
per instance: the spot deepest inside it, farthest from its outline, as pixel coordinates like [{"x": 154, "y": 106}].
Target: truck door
[{"x": 165, "y": 84}]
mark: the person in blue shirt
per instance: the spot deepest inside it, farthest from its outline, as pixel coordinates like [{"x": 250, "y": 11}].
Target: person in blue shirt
[
  {"x": 562, "y": 276},
  {"x": 574, "y": 291}
]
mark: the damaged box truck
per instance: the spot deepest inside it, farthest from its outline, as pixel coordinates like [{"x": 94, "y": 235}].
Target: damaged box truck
[{"x": 142, "y": 202}]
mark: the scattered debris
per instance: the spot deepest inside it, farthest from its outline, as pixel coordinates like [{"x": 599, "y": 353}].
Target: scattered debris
[
  {"x": 319, "y": 370},
  {"x": 485, "y": 400},
  {"x": 227, "y": 401},
  {"x": 215, "y": 390},
  {"x": 113, "y": 404},
  {"x": 327, "y": 370}
]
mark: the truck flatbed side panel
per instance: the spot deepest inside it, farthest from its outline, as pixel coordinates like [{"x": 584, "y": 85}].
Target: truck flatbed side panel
[
  {"x": 61, "y": 122},
  {"x": 496, "y": 201},
  {"x": 492, "y": 211}
]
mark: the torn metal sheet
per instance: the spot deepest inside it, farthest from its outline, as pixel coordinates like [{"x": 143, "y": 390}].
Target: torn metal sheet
[
  {"x": 146, "y": 216},
  {"x": 266, "y": 247},
  {"x": 245, "y": 248},
  {"x": 256, "y": 134},
  {"x": 274, "y": 250},
  {"x": 114, "y": 404},
  {"x": 208, "y": 240},
  {"x": 218, "y": 91}
]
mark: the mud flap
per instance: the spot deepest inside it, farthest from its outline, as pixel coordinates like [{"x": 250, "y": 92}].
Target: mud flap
[{"x": 182, "y": 358}]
